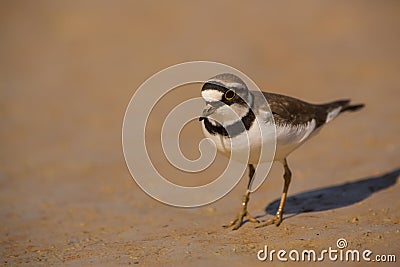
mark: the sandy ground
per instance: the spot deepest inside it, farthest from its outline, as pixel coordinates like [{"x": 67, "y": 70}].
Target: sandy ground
[{"x": 69, "y": 69}]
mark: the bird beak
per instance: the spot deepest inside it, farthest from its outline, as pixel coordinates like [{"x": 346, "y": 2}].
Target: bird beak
[{"x": 207, "y": 111}]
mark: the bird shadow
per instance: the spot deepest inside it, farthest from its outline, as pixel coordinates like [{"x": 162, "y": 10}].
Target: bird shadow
[{"x": 334, "y": 197}]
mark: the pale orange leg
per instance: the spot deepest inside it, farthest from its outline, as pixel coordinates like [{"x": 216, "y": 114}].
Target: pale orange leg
[
  {"x": 278, "y": 217},
  {"x": 238, "y": 221}
]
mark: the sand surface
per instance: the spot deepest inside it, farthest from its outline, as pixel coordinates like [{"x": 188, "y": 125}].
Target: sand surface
[{"x": 68, "y": 70}]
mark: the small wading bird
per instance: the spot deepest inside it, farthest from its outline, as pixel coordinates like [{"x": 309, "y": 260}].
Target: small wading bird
[{"x": 295, "y": 122}]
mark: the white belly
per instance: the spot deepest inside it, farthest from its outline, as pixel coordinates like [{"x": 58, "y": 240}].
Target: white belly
[
  {"x": 247, "y": 149},
  {"x": 287, "y": 140}
]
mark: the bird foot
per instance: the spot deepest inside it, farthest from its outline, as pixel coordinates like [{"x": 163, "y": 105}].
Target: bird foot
[
  {"x": 276, "y": 220},
  {"x": 238, "y": 221}
]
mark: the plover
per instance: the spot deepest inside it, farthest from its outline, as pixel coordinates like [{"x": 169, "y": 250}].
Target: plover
[{"x": 295, "y": 122}]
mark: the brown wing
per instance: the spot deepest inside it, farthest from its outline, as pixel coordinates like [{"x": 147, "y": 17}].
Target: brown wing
[{"x": 289, "y": 110}]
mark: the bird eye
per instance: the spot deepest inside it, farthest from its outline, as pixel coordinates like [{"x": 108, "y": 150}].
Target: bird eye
[{"x": 230, "y": 94}]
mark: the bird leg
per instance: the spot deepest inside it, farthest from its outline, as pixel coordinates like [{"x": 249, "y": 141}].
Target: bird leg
[
  {"x": 278, "y": 217},
  {"x": 238, "y": 221}
]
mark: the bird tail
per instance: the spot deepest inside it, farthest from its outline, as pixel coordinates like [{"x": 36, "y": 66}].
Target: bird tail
[
  {"x": 333, "y": 109},
  {"x": 344, "y": 104},
  {"x": 352, "y": 107}
]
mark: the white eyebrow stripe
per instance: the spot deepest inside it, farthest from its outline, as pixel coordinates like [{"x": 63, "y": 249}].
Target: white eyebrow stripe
[
  {"x": 211, "y": 95},
  {"x": 234, "y": 85},
  {"x": 228, "y": 85}
]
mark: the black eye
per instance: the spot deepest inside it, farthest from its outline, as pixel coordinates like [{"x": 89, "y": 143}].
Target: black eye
[{"x": 229, "y": 95}]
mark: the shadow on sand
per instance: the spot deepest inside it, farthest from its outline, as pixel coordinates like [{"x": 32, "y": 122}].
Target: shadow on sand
[{"x": 334, "y": 197}]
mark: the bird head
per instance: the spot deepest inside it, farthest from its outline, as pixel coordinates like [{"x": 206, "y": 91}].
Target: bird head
[{"x": 227, "y": 98}]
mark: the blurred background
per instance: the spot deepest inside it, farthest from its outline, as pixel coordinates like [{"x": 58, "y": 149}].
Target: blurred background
[{"x": 69, "y": 68}]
